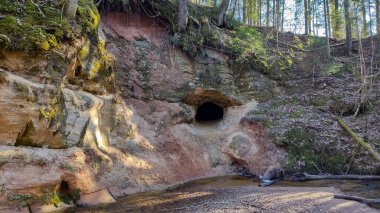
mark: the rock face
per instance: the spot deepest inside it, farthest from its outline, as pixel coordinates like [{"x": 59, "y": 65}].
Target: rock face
[
  {"x": 124, "y": 110},
  {"x": 140, "y": 136}
]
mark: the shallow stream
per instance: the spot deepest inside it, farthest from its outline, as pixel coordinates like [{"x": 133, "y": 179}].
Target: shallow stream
[{"x": 198, "y": 191}]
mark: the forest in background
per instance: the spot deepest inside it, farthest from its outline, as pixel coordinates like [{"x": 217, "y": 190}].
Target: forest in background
[{"x": 337, "y": 19}]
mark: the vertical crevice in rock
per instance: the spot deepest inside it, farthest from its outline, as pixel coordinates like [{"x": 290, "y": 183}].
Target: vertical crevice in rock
[{"x": 24, "y": 138}]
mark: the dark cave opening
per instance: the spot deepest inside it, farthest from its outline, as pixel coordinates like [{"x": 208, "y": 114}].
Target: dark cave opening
[{"x": 209, "y": 111}]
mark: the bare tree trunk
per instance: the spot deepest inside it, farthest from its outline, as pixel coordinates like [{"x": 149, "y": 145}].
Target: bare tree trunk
[
  {"x": 327, "y": 31},
  {"x": 282, "y": 15},
  {"x": 370, "y": 19},
  {"x": 313, "y": 18},
  {"x": 222, "y": 15},
  {"x": 328, "y": 18},
  {"x": 252, "y": 12},
  {"x": 182, "y": 15},
  {"x": 309, "y": 15},
  {"x": 234, "y": 9},
  {"x": 267, "y": 16},
  {"x": 347, "y": 19},
  {"x": 278, "y": 15},
  {"x": 259, "y": 11},
  {"x": 245, "y": 12},
  {"x": 377, "y": 17},
  {"x": 336, "y": 20},
  {"x": 364, "y": 17},
  {"x": 274, "y": 13},
  {"x": 306, "y": 21}
]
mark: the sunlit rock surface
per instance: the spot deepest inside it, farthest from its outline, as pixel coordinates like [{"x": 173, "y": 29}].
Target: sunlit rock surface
[{"x": 141, "y": 136}]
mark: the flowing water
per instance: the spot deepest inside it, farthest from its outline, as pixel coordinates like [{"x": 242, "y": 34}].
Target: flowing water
[{"x": 196, "y": 193}]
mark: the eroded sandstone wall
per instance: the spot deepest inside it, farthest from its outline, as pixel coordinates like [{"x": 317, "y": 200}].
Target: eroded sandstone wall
[{"x": 137, "y": 133}]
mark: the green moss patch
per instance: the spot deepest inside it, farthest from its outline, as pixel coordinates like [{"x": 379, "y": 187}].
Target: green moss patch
[
  {"x": 305, "y": 155},
  {"x": 32, "y": 25},
  {"x": 41, "y": 25}
]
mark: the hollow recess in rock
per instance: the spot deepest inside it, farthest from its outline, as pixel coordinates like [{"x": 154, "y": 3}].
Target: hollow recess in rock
[{"x": 209, "y": 111}]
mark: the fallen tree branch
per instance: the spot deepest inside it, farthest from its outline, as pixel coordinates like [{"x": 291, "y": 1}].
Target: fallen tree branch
[
  {"x": 371, "y": 150},
  {"x": 347, "y": 177},
  {"x": 359, "y": 199}
]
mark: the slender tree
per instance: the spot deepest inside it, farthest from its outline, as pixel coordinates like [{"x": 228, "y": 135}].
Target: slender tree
[
  {"x": 377, "y": 5},
  {"x": 336, "y": 20},
  {"x": 245, "y": 18},
  {"x": 274, "y": 13},
  {"x": 364, "y": 19},
  {"x": 259, "y": 11},
  {"x": 309, "y": 16},
  {"x": 278, "y": 15},
  {"x": 328, "y": 17},
  {"x": 282, "y": 15},
  {"x": 306, "y": 15},
  {"x": 347, "y": 19},
  {"x": 327, "y": 30},
  {"x": 267, "y": 15},
  {"x": 370, "y": 19}
]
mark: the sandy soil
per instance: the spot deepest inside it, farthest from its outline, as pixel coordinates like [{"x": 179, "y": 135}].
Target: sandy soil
[{"x": 234, "y": 196}]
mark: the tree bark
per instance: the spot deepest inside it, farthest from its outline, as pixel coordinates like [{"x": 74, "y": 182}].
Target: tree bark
[
  {"x": 309, "y": 16},
  {"x": 221, "y": 18},
  {"x": 370, "y": 19},
  {"x": 282, "y": 15},
  {"x": 377, "y": 17},
  {"x": 259, "y": 11},
  {"x": 336, "y": 20},
  {"x": 267, "y": 16},
  {"x": 364, "y": 17},
  {"x": 234, "y": 9},
  {"x": 327, "y": 30},
  {"x": 182, "y": 15},
  {"x": 328, "y": 17},
  {"x": 306, "y": 14},
  {"x": 347, "y": 19},
  {"x": 245, "y": 11},
  {"x": 278, "y": 15}
]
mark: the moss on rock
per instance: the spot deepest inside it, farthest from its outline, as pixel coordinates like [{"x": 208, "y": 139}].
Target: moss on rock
[{"x": 40, "y": 26}]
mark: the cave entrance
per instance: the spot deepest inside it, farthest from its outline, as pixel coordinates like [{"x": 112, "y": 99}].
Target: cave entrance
[{"x": 209, "y": 111}]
